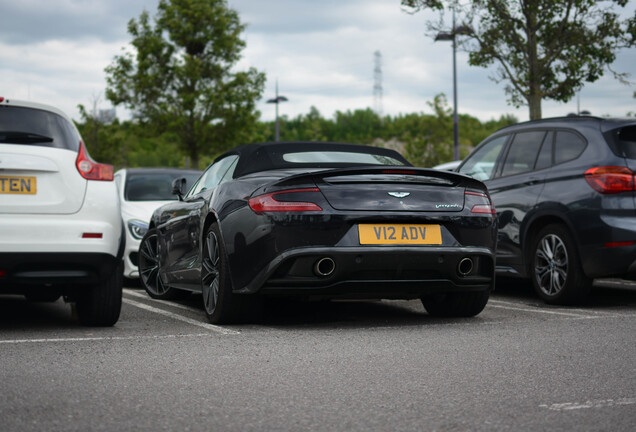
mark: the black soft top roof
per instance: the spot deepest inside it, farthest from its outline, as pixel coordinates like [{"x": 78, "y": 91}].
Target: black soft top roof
[{"x": 269, "y": 156}]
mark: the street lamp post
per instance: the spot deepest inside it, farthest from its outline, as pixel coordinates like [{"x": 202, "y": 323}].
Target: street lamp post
[
  {"x": 451, "y": 36},
  {"x": 276, "y": 101}
]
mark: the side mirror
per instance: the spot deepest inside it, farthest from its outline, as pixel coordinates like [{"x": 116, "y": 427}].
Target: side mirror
[{"x": 178, "y": 186}]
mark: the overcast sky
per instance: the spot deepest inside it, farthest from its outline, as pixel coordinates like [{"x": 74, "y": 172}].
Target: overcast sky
[{"x": 320, "y": 51}]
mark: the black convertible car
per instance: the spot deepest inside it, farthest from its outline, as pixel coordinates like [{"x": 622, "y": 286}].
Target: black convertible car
[{"x": 321, "y": 221}]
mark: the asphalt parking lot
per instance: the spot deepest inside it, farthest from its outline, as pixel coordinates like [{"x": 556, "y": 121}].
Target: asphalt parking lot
[{"x": 331, "y": 366}]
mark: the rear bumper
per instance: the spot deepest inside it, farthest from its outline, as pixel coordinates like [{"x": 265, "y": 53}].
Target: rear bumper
[
  {"x": 600, "y": 259},
  {"x": 41, "y": 232},
  {"x": 619, "y": 262},
  {"x": 377, "y": 289},
  {"x": 376, "y": 272},
  {"x": 59, "y": 233},
  {"x": 21, "y": 270}
]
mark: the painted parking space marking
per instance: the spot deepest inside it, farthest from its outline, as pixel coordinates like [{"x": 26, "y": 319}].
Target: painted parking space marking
[
  {"x": 214, "y": 328},
  {"x": 101, "y": 338},
  {"x": 211, "y": 327},
  {"x": 597, "y": 403},
  {"x": 572, "y": 313},
  {"x": 166, "y": 302}
]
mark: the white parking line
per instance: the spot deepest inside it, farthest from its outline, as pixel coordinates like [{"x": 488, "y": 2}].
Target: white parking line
[
  {"x": 583, "y": 315},
  {"x": 598, "y": 403},
  {"x": 100, "y": 338},
  {"x": 212, "y": 327},
  {"x": 169, "y": 303}
]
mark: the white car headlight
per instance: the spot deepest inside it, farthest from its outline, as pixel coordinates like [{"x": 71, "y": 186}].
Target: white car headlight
[{"x": 137, "y": 228}]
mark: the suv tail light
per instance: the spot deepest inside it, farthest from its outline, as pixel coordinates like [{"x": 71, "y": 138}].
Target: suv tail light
[
  {"x": 91, "y": 170},
  {"x": 610, "y": 179},
  {"x": 269, "y": 203}
]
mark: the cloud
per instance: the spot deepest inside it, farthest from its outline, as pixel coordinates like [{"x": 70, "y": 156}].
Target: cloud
[
  {"x": 26, "y": 22},
  {"x": 321, "y": 53},
  {"x": 45, "y": 72},
  {"x": 282, "y": 17}
]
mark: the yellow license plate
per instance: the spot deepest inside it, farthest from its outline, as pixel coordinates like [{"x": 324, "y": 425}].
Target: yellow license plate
[
  {"x": 404, "y": 234},
  {"x": 18, "y": 185}
]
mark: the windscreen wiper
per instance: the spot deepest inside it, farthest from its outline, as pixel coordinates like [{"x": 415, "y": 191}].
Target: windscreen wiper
[{"x": 15, "y": 137}]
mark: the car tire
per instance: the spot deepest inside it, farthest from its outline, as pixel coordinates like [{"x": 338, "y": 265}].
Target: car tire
[
  {"x": 100, "y": 305},
  {"x": 221, "y": 305},
  {"x": 150, "y": 269},
  {"x": 555, "y": 267},
  {"x": 455, "y": 304}
]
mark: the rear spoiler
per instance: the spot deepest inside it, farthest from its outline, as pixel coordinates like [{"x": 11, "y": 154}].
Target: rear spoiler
[{"x": 390, "y": 173}]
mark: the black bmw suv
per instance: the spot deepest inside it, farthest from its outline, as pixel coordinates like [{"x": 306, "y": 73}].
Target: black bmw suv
[{"x": 565, "y": 194}]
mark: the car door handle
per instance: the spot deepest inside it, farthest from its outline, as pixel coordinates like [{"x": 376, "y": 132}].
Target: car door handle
[{"x": 532, "y": 181}]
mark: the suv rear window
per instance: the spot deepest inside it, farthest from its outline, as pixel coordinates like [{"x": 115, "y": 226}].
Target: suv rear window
[
  {"x": 29, "y": 126},
  {"x": 623, "y": 141}
]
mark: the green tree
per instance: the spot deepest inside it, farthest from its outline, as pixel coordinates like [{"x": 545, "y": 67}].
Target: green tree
[
  {"x": 179, "y": 76},
  {"x": 424, "y": 139},
  {"x": 103, "y": 141},
  {"x": 154, "y": 151},
  {"x": 545, "y": 49},
  {"x": 430, "y": 143},
  {"x": 360, "y": 126}
]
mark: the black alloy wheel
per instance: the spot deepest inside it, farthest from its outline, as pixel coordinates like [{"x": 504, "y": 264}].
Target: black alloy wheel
[
  {"x": 150, "y": 269},
  {"x": 210, "y": 272},
  {"x": 215, "y": 285},
  {"x": 557, "y": 275},
  {"x": 220, "y": 303}
]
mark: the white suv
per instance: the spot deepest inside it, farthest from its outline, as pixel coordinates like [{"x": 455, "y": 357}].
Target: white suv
[{"x": 61, "y": 231}]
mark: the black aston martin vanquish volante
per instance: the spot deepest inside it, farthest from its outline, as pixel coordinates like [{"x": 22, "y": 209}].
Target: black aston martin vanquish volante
[{"x": 322, "y": 220}]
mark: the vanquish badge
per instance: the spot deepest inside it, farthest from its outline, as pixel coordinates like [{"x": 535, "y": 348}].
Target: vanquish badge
[{"x": 399, "y": 194}]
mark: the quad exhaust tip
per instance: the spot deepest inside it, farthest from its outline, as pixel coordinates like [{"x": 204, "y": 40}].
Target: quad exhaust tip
[
  {"x": 465, "y": 266},
  {"x": 324, "y": 267}
]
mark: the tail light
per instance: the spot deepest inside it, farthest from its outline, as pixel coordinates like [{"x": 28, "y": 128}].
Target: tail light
[
  {"x": 91, "y": 170},
  {"x": 273, "y": 202},
  {"x": 611, "y": 179},
  {"x": 484, "y": 208}
]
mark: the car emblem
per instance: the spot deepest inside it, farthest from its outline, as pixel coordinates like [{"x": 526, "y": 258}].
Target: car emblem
[{"x": 399, "y": 194}]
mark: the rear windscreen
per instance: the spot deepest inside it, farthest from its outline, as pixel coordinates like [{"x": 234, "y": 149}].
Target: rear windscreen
[
  {"x": 29, "y": 126},
  {"x": 155, "y": 186},
  {"x": 308, "y": 157},
  {"x": 623, "y": 141}
]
